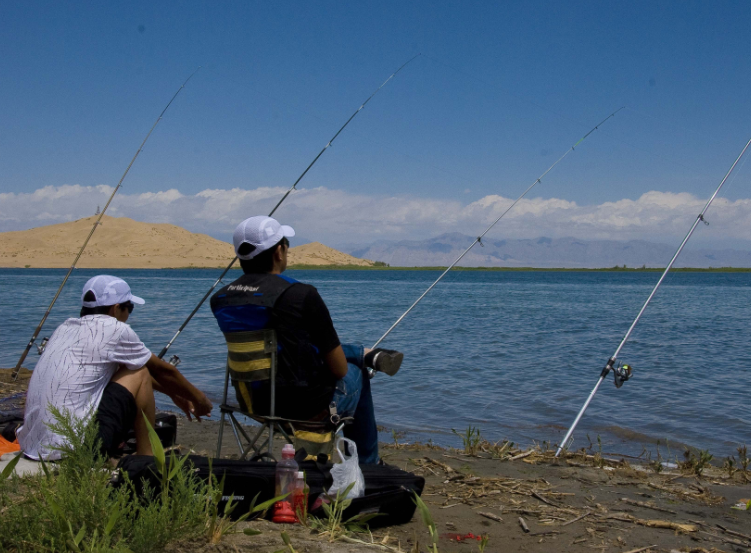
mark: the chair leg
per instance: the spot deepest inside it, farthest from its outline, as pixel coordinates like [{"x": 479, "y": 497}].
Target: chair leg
[
  {"x": 234, "y": 425},
  {"x": 219, "y": 439},
  {"x": 286, "y": 436},
  {"x": 240, "y": 434},
  {"x": 252, "y": 444}
]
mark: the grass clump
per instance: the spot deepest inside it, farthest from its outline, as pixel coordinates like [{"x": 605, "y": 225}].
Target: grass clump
[
  {"x": 72, "y": 505},
  {"x": 471, "y": 439},
  {"x": 696, "y": 464},
  {"x": 743, "y": 459},
  {"x": 332, "y": 524}
]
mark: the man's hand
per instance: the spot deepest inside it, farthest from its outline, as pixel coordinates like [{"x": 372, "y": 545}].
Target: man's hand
[
  {"x": 201, "y": 409},
  {"x": 168, "y": 380}
]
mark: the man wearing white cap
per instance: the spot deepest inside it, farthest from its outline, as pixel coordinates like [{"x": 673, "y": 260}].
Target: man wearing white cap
[
  {"x": 314, "y": 368},
  {"x": 97, "y": 365}
]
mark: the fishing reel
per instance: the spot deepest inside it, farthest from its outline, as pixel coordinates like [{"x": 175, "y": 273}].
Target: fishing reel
[
  {"x": 621, "y": 372},
  {"x": 174, "y": 361},
  {"x": 40, "y": 347}
]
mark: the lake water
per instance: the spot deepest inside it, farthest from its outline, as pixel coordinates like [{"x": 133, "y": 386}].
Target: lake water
[{"x": 513, "y": 353}]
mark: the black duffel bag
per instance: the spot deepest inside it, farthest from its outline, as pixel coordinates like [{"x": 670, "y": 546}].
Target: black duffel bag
[{"x": 389, "y": 491}]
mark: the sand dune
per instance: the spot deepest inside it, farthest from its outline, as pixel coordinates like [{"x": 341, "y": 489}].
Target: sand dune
[
  {"x": 121, "y": 243},
  {"x": 316, "y": 253}
]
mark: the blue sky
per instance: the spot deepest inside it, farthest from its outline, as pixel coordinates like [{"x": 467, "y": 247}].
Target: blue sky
[{"x": 500, "y": 91}]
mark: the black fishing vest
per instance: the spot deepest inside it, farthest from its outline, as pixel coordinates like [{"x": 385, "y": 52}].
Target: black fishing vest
[{"x": 248, "y": 304}]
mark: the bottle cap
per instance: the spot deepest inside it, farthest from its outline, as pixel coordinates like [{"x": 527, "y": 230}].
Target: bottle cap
[{"x": 288, "y": 451}]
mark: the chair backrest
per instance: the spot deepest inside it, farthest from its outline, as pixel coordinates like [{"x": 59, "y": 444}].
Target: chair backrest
[{"x": 251, "y": 357}]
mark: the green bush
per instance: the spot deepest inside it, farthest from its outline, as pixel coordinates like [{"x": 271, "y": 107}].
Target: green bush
[{"x": 73, "y": 507}]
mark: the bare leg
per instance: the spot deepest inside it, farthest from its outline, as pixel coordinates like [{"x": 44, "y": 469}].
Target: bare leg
[{"x": 139, "y": 383}]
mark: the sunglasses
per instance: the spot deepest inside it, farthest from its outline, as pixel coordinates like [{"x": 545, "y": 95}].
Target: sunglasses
[{"x": 128, "y": 305}]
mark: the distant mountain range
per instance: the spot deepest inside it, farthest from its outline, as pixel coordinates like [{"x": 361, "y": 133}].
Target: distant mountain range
[{"x": 544, "y": 252}]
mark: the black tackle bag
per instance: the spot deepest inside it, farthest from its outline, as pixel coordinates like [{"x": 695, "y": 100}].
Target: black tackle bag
[
  {"x": 389, "y": 491},
  {"x": 165, "y": 425}
]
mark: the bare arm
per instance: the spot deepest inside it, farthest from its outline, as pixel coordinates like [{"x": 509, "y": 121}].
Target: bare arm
[
  {"x": 337, "y": 362},
  {"x": 170, "y": 381}
]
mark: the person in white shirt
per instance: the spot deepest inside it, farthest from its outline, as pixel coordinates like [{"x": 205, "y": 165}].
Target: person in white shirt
[{"x": 97, "y": 364}]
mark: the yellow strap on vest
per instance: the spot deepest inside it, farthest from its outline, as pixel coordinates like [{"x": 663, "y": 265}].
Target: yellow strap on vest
[
  {"x": 249, "y": 366},
  {"x": 314, "y": 437},
  {"x": 245, "y": 393},
  {"x": 245, "y": 347}
]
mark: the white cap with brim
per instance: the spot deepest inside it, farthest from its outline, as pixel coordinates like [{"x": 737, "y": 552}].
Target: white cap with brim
[
  {"x": 261, "y": 233},
  {"x": 108, "y": 290}
]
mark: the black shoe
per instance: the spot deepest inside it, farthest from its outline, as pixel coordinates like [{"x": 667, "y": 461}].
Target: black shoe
[{"x": 386, "y": 361}]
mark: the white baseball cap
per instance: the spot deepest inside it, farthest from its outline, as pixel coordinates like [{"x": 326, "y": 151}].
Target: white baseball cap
[
  {"x": 261, "y": 232},
  {"x": 108, "y": 290}
]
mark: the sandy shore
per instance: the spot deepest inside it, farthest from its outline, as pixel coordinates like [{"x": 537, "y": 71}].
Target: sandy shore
[
  {"x": 581, "y": 503},
  {"x": 578, "y": 504}
]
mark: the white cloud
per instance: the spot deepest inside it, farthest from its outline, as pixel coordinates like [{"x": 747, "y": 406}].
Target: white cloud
[{"x": 337, "y": 217}]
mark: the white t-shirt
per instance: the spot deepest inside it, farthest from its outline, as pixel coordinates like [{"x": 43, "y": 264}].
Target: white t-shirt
[{"x": 80, "y": 359}]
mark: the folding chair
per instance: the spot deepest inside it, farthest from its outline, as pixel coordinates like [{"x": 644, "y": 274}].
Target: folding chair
[{"x": 252, "y": 358}]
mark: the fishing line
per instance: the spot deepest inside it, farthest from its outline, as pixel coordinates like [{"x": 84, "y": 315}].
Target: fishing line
[
  {"x": 623, "y": 373},
  {"x": 479, "y": 238},
  {"x": 326, "y": 147},
  {"x": 93, "y": 228}
]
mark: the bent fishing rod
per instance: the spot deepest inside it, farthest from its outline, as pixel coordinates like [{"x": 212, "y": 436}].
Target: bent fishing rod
[
  {"x": 93, "y": 228},
  {"x": 293, "y": 187},
  {"x": 622, "y": 373},
  {"x": 478, "y": 240}
]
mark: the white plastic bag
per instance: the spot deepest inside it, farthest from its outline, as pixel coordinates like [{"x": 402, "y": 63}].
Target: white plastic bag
[{"x": 347, "y": 471}]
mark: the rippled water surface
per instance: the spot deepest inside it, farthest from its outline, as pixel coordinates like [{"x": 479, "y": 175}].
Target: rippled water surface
[{"x": 513, "y": 353}]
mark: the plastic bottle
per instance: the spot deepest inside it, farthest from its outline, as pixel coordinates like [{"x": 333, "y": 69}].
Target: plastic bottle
[
  {"x": 286, "y": 473},
  {"x": 300, "y": 497}
]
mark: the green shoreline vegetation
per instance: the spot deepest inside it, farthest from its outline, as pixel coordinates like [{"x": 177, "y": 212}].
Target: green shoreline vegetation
[{"x": 71, "y": 504}]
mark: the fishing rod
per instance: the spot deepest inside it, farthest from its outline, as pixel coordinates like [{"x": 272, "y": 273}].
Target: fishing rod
[
  {"x": 93, "y": 228},
  {"x": 175, "y": 359},
  {"x": 622, "y": 373},
  {"x": 478, "y": 240}
]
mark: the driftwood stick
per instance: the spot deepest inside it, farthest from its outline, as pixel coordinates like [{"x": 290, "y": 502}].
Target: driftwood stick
[
  {"x": 381, "y": 546},
  {"x": 522, "y": 455},
  {"x": 733, "y": 532},
  {"x": 576, "y": 519},
  {"x": 666, "y": 524},
  {"x": 491, "y": 516},
  {"x": 734, "y": 541},
  {"x": 538, "y": 496},
  {"x": 646, "y": 505},
  {"x": 641, "y": 549},
  {"x": 444, "y": 466},
  {"x": 523, "y": 525}
]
